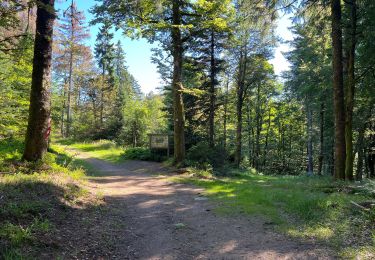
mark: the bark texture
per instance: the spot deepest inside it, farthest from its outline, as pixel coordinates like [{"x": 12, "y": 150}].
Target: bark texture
[
  {"x": 36, "y": 141},
  {"x": 321, "y": 139},
  {"x": 240, "y": 97},
  {"x": 310, "y": 161},
  {"x": 178, "y": 103},
  {"x": 212, "y": 91},
  {"x": 338, "y": 91},
  {"x": 350, "y": 92}
]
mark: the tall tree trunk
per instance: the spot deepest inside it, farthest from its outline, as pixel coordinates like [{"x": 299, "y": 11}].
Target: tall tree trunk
[
  {"x": 69, "y": 102},
  {"x": 240, "y": 97},
  {"x": 265, "y": 152},
  {"x": 101, "y": 108},
  {"x": 63, "y": 110},
  {"x": 248, "y": 119},
  {"x": 36, "y": 141},
  {"x": 350, "y": 92},
  {"x": 226, "y": 112},
  {"x": 321, "y": 140},
  {"x": 310, "y": 162},
  {"x": 70, "y": 88},
  {"x": 239, "y": 126},
  {"x": 94, "y": 111},
  {"x": 258, "y": 128},
  {"x": 102, "y": 98},
  {"x": 212, "y": 91},
  {"x": 178, "y": 103},
  {"x": 361, "y": 154},
  {"x": 338, "y": 90}
]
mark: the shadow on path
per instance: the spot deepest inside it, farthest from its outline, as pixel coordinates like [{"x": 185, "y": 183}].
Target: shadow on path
[{"x": 164, "y": 220}]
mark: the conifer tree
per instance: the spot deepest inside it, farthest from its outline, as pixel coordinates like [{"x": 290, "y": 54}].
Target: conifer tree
[{"x": 39, "y": 123}]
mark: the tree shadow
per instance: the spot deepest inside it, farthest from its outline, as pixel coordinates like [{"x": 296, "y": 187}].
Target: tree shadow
[{"x": 50, "y": 216}]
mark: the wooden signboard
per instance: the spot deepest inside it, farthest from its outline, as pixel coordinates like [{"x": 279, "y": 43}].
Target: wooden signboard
[{"x": 159, "y": 141}]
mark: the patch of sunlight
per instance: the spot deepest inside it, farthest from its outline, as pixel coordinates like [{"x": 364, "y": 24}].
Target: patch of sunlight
[
  {"x": 363, "y": 252},
  {"x": 140, "y": 170},
  {"x": 148, "y": 204},
  {"x": 317, "y": 231},
  {"x": 228, "y": 247}
]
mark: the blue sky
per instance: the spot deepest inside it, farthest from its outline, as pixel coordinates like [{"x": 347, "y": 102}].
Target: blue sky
[{"x": 138, "y": 52}]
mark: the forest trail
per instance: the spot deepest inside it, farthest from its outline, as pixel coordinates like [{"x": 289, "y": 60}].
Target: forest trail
[{"x": 157, "y": 219}]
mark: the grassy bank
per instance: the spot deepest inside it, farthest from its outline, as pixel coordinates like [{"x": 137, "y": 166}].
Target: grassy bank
[
  {"x": 109, "y": 151},
  {"x": 310, "y": 208},
  {"x": 101, "y": 149},
  {"x": 39, "y": 202}
]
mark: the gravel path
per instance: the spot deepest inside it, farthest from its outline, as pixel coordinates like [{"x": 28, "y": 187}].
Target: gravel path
[{"x": 157, "y": 219}]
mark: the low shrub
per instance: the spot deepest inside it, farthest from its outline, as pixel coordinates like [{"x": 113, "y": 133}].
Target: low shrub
[
  {"x": 143, "y": 154},
  {"x": 202, "y": 156}
]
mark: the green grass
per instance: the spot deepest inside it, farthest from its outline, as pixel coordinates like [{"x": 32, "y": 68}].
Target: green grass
[
  {"x": 35, "y": 196},
  {"x": 102, "y": 149},
  {"x": 108, "y": 151},
  {"x": 303, "y": 207}
]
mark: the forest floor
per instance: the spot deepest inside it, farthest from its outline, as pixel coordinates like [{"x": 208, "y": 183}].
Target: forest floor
[
  {"x": 150, "y": 217},
  {"x": 88, "y": 201}
]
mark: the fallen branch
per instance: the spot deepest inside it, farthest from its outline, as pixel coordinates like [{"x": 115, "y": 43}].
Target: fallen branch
[{"x": 359, "y": 206}]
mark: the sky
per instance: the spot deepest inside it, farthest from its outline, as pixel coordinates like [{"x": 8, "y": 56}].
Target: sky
[{"x": 138, "y": 52}]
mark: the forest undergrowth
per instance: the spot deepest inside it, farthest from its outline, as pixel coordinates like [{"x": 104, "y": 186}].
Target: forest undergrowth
[{"x": 39, "y": 200}]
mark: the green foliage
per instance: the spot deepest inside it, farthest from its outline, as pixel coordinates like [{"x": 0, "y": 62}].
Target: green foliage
[
  {"x": 202, "y": 156},
  {"x": 138, "y": 153},
  {"x": 142, "y": 117},
  {"x": 15, "y": 81}
]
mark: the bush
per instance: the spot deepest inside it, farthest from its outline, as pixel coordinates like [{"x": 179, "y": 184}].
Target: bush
[
  {"x": 202, "y": 156},
  {"x": 143, "y": 154}
]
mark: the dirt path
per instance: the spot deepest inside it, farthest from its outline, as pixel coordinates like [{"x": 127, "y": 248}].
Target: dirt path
[{"x": 156, "y": 219}]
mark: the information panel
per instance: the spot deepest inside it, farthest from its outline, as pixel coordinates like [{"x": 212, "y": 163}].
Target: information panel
[{"x": 159, "y": 141}]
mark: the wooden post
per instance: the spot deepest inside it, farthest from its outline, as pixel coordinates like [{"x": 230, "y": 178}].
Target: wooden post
[{"x": 168, "y": 147}]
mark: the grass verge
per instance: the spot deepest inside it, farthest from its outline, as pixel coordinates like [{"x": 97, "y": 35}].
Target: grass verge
[
  {"x": 101, "y": 149},
  {"x": 304, "y": 207},
  {"x": 38, "y": 202},
  {"x": 110, "y": 151}
]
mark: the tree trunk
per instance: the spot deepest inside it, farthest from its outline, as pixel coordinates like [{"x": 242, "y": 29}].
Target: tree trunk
[
  {"x": 338, "y": 90},
  {"x": 361, "y": 154},
  {"x": 310, "y": 162},
  {"x": 101, "y": 108},
  {"x": 212, "y": 92},
  {"x": 371, "y": 162},
  {"x": 240, "y": 96},
  {"x": 178, "y": 103},
  {"x": 226, "y": 112},
  {"x": 248, "y": 119},
  {"x": 36, "y": 141},
  {"x": 239, "y": 127},
  {"x": 321, "y": 140},
  {"x": 258, "y": 128},
  {"x": 265, "y": 152},
  {"x": 70, "y": 88},
  {"x": 350, "y": 92},
  {"x": 63, "y": 110},
  {"x": 102, "y": 98}
]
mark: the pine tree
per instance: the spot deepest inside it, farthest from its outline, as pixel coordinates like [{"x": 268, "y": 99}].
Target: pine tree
[
  {"x": 71, "y": 49},
  {"x": 338, "y": 87},
  {"x": 104, "y": 53},
  {"x": 39, "y": 123}
]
